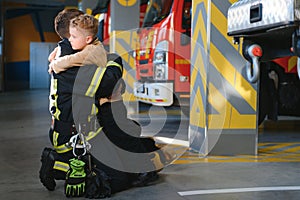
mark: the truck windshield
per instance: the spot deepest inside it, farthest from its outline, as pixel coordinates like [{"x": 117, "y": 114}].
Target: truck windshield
[{"x": 156, "y": 11}]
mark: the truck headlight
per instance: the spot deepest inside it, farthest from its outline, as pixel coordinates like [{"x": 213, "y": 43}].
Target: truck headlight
[
  {"x": 160, "y": 61},
  {"x": 160, "y": 72}
]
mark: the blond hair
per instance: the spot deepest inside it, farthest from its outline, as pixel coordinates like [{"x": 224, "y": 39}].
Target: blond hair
[
  {"x": 87, "y": 23},
  {"x": 62, "y": 21}
]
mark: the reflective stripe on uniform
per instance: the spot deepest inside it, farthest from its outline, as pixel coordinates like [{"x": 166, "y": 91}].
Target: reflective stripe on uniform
[
  {"x": 62, "y": 148},
  {"x": 93, "y": 134},
  {"x": 95, "y": 82},
  {"x": 93, "y": 114},
  {"x": 53, "y": 98},
  {"x": 65, "y": 147},
  {"x": 113, "y": 63},
  {"x": 54, "y": 139},
  {"x": 61, "y": 166}
]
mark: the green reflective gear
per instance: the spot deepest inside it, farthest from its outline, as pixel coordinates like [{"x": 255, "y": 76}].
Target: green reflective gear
[{"x": 75, "y": 179}]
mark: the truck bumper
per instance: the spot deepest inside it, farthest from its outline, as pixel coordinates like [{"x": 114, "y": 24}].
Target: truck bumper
[{"x": 159, "y": 94}]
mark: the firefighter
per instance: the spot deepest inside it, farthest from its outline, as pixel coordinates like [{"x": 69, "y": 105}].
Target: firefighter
[
  {"x": 123, "y": 132},
  {"x": 55, "y": 162},
  {"x": 60, "y": 163}
]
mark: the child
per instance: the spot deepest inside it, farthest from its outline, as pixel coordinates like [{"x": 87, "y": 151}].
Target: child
[{"x": 83, "y": 30}]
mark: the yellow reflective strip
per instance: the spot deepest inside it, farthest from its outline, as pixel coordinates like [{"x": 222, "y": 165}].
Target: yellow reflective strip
[
  {"x": 53, "y": 98},
  {"x": 93, "y": 113},
  {"x": 93, "y": 134},
  {"x": 54, "y": 139},
  {"x": 292, "y": 63},
  {"x": 113, "y": 63},
  {"x": 62, "y": 148},
  {"x": 61, "y": 166},
  {"x": 182, "y": 61},
  {"x": 152, "y": 100},
  {"x": 95, "y": 82},
  {"x": 65, "y": 148},
  {"x": 95, "y": 109}
]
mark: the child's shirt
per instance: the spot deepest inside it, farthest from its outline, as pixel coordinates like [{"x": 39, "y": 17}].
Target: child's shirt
[{"x": 94, "y": 54}]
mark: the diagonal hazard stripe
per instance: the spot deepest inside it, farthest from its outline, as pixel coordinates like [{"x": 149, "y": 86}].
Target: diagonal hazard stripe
[
  {"x": 242, "y": 86},
  {"x": 198, "y": 77},
  {"x": 124, "y": 49},
  {"x": 223, "y": 44},
  {"x": 199, "y": 24},
  {"x": 234, "y": 92},
  {"x": 198, "y": 70},
  {"x": 197, "y": 116},
  {"x": 229, "y": 92},
  {"x": 219, "y": 21}
]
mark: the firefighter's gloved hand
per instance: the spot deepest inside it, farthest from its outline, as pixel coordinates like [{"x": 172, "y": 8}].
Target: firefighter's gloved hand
[
  {"x": 75, "y": 179},
  {"x": 97, "y": 184}
]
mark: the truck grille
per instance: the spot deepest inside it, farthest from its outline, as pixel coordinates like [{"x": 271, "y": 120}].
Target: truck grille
[{"x": 143, "y": 62}]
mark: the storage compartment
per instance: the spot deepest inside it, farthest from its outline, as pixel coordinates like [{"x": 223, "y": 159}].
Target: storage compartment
[
  {"x": 247, "y": 17},
  {"x": 273, "y": 25},
  {"x": 269, "y": 28}
]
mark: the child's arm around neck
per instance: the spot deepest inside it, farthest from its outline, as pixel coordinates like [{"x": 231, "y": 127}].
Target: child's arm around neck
[{"x": 92, "y": 54}]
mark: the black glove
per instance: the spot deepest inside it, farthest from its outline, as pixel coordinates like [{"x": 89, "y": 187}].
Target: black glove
[{"x": 97, "y": 184}]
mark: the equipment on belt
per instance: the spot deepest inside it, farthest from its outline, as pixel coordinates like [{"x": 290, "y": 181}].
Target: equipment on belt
[
  {"x": 85, "y": 180},
  {"x": 79, "y": 141}
]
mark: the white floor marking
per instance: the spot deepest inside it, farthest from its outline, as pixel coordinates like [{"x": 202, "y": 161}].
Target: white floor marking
[{"x": 236, "y": 190}]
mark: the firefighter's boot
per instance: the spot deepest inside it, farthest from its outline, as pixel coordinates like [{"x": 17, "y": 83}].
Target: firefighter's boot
[
  {"x": 46, "y": 172},
  {"x": 145, "y": 179}
]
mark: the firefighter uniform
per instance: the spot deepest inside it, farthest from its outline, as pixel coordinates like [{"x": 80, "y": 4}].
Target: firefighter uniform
[
  {"x": 121, "y": 131},
  {"x": 67, "y": 96},
  {"x": 60, "y": 106}
]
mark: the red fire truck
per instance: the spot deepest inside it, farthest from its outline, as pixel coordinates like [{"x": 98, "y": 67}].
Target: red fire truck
[
  {"x": 163, "y": 53},
  {"x": 279, "y": 89},
  {"x": 271, "y": 45}
]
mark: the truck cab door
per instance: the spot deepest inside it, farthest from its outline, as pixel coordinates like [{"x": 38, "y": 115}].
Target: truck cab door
[{"x": 182, "y": 47}]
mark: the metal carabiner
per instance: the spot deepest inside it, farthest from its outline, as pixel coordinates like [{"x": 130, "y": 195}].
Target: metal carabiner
[{"x": 79, "y": 141}]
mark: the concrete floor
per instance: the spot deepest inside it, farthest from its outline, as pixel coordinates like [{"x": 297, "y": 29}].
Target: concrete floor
[{"x": 24, "y": 122}]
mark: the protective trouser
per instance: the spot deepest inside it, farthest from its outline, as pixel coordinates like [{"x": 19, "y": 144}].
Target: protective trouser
[{"x": 60, "y": 134}]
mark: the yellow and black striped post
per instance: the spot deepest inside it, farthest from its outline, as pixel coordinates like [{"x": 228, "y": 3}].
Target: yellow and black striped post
[
  {"x": 223, "y": 105},
  {"x": 123, "y": 42}
]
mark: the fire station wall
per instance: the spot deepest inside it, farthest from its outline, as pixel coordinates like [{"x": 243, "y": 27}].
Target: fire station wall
[{"x": 19, "y": 32}]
